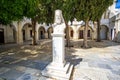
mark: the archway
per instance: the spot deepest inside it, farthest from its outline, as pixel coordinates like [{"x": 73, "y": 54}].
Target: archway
[
  {"x": 41, "y": 32},
  {"x": 103, "y": 32},
  {"x": 1, "y": 36},
  {"x": 27, "y": 32},
  {"x": 81, "y": 32},
  {"x": 49, "y": 31}
]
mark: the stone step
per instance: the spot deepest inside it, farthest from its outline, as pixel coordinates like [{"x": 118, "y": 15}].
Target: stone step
[
  {"x": 58, "y": 67},
  {"x": 59, "y": 74}
]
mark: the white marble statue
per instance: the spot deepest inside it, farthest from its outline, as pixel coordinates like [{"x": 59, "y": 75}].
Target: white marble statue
[
  {"x": 59, "y": 24},
  {"x": 58, "y": 68}
]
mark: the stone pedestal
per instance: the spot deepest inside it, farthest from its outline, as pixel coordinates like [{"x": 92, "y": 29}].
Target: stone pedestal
[{"x": 58, "y": 68}]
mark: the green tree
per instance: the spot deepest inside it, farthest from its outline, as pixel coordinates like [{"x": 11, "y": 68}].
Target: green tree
[
  {"x": 90, "y": 10},
  {"x": 99, "y": 10},
  {"x": 11, "y": 10},
  {"x": 35, "y": 11},
  {"x": 68, "y": 13},
  {"x": 84, "y": 11},
  {"x": 16, "y": 10}
]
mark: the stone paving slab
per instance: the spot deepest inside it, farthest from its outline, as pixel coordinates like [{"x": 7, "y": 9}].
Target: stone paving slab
[
  {"x": 90, "y": 74},
  {"x": 115, "y": 68},
  {"x": 113, "y": 77},
  {"x": 11, "y": 74},
  {"x": 4, "y": 70},
  {"x": 7, "y": 60},
  {"x": 27, "y": 76},
  {"x": 30, "y": 71}
]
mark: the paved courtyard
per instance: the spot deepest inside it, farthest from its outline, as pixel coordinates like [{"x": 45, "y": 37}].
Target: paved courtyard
[{"x": 25, "y": 62}]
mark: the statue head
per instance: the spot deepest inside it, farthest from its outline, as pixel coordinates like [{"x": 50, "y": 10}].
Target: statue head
[{"x": 58, "y": 17}]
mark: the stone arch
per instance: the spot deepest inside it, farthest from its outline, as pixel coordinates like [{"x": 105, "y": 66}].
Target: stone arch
[
  {"x": 15, "y": 24},
  {"x": 81, "y": 32},
  {"x": 41, "y": 32},
  {"x": 27, "y": 32},
  {"x": 25, "y": 21},
  {"x": 104, "y": 32},
  {"x": 49, "y": 31}
]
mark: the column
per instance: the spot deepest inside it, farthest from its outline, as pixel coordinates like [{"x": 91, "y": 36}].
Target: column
[
  {"x": 75, "y": 35},
  {"x": 19, "y": 34}
]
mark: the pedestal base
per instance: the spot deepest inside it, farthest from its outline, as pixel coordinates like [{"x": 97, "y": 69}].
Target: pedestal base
[{"x": 59, "y": 73}]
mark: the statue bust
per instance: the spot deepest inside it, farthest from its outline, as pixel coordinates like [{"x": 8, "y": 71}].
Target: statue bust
[{"x": 59, "y": 24}]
